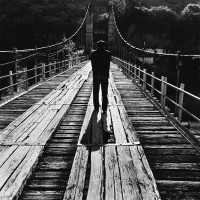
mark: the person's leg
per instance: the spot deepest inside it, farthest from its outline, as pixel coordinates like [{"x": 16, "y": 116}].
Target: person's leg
[
  {"x": 96, "y": 85},
  {"x": 104, "y": 88}
]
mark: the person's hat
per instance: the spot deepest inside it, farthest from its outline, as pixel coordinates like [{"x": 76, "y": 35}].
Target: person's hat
[{"x": 101, "y": 43}]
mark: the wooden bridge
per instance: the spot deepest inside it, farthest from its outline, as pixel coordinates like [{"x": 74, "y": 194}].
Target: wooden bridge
[{"x": 55, "y": 146}]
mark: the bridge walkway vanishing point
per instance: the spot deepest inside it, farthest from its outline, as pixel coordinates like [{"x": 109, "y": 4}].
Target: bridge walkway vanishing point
[{"x": 56, "y": 148}]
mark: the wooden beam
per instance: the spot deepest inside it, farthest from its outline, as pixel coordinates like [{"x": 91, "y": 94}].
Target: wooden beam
[
  {"x": 76, "y": 182},
  {"x": 95, "y": 190}
]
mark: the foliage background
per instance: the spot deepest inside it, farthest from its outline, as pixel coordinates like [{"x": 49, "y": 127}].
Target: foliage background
[{"x": 168, "y": 25}]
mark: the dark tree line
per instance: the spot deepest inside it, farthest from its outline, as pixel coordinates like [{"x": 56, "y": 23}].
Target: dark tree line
[
  {"x": 161, "y": 27},
  {"x": 26, "y": 23},
  {"x": 29, "y": 23}
]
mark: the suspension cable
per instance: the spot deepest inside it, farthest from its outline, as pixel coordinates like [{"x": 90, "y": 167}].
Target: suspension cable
[
  {"x": 21, "y": 59},
  {"x": 54, "y": 45},
  {"x": 145, "y": 51},
  {"x": 46, "y": 47}
]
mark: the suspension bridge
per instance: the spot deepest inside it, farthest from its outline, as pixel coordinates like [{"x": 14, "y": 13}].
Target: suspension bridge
[{"x": 54, "y": 145}]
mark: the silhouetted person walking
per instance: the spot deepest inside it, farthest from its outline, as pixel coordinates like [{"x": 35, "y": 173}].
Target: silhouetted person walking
[{"x": 100, "y": 59}]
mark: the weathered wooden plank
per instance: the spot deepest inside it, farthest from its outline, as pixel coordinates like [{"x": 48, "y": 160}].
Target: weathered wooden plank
[
  {"x": 180, "y": 195},
  {"x": 129, "y": 129},
  {"x": 42, "y": 174},
  {"x": 12, "y": 163},
  {"x": 47, "y": 184},
  {"x": 6, "y": 152},
  {"x": 171, "y": 151},
  {"x": 17, "y": 180},
  {"x": 178, "y": 185},
  {"x": 164, "y": 141},
  {"x": 26, "y": 126},
  {"x": 119, "y": 132},
  {"x": 62, "y": 145},
  {"x": 166, "y": 146},
  {"x": 55, "y": 162},
  {"x": 40, "y": 195},
  {"x": 161, "y": 136},
  {"x": 68, "y": 131},
  {"x": 156, "y": 128},
  {"x": 21, "y": 125},
  {"x": 95, "y": 190},
  {"x": 86, "y": 127},
  {"x": 177, "y": 175},
  {"x": 76, "y": 180},
  {"x": 60, "y": 150},
  {"x": 144, "y": 174},
  {"x": 22, "y": 117},
  {"x": 113, "y": 189},
  {"x": 29, "y": 130},
  {"x": 66, "y": 136},
  {"x": 73, "y": 128},
  {"x": 39, "y": 130},
  {"x": 64, "y": 140},
  {"x": 129, "y": 183},
  {"x": 175, "y": 166}
]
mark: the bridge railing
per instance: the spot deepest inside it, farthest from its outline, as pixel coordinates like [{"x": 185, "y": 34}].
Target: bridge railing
[
  {"x": 156, "y": 87},
  {"x": 38, "y": 73}
]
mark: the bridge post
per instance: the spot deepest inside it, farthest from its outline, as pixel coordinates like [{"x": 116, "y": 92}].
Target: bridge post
[
  {"x": 11, "y": 83},
  {"x": 48, "y": 55},
  {"x": 144, "y": 79},
  {"x": 139, "y": 72},
  {"x": 43, "y": 72},
  {"x": 57, "y": 59},
  {"x": 25, "y": 78},
  {"x": 135, "y": 71},
  {"x": 163, "y": 91},
  {"x": 89, "y": 30},
  {"x": 36, "y": 64},
  {"x": 152, "y": 83},
  {"x": 15, "y": 69},
  {"x": 180, "y": 102},
  {"x": 178, "y": 68}
]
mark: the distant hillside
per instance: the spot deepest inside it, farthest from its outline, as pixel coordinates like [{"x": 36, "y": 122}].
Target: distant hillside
[{"x": 176, "y": 5}]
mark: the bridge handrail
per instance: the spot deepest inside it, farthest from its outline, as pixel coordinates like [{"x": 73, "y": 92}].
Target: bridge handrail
[
  {"x": 139, "y": 76},
  {"x": 52, "y": 69},
  {"x": 169, "y": 84}
]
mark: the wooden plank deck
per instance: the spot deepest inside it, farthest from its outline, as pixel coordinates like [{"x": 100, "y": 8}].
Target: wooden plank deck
[
  {"x": 61, "y": 144},
  {"x": 23, "y": 140},
  {"x": 174, "y": 161},
  {"x": 118, "y": 170},
  {"x": 10, "y": 110}
]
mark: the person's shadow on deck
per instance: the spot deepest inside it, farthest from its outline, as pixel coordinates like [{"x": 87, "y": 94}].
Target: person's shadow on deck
[{"x": 98, "y": 130}]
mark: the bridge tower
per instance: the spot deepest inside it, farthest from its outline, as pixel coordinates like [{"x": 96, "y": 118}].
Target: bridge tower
[
  {"x": 89, "y": 29},
  {"x": 111, "y": 31},
  {"x": 100, "y": 25}
]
